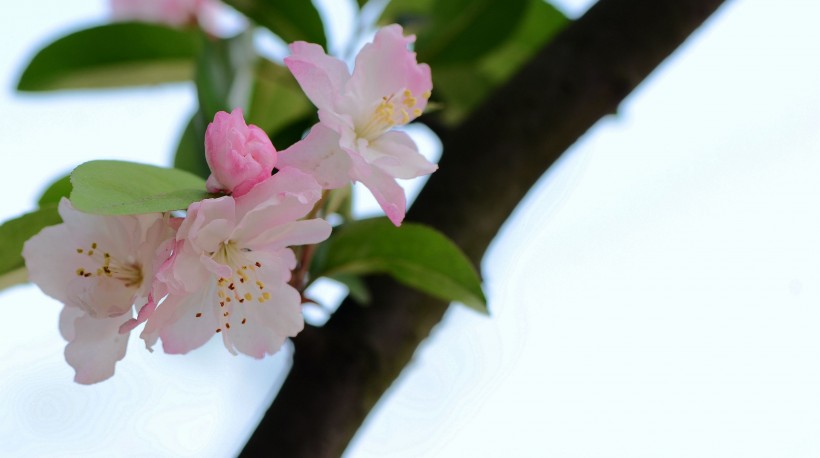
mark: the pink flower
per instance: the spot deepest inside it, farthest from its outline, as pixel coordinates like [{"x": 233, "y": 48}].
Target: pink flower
[
  {"x": 239, "y": 155},
  {"x": 175, "y": 13},
  {"x": 388, "y": 88},
  {"x": 99, "y": 267},
  {"x": 230, "y": 270}
]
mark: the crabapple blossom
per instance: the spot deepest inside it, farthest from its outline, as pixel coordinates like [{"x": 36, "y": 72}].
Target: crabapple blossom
[
  {"x": 239, "y": 155},
  {"x": 99, "y": 267},
  {"x": 387, "y": 88},
  {"x": 230, "y": 269}
]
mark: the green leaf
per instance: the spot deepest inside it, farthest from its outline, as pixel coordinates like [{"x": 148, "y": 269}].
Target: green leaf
[
  {"x": 293, "y": 132},
  {"x": 55, "y": 191},
  {"x": 276, "y": 99},
  {"x": 224, "y": 74},
  {"x": 413, "y": 254},
  {"x": 463, "y": 87},
  {"x": 355, "y": 287},
  {"x": 541, "y": 23},
  {"x": 413, "y": 15},
  {"x": 13, "y": 278},
  {"x": 15, "y": 232},
  {"x": 190, "y": 154},
  {"x": 124, "y": 188},
  {"x": 113, "y": 55},
  {"x": 291, "y": 20},
  {"x": 464, "y": 30}
]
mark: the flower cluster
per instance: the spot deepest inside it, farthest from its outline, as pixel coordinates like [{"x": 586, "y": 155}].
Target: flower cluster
[{"x": 225, "y": 268}]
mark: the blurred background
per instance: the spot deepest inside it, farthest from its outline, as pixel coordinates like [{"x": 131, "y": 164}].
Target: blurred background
[{"x": 657, "y": 294}]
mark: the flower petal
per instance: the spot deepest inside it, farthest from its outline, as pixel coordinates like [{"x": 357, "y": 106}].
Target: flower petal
[
  {"x": 320, "y": 156},
  {"x": 266, "y": 325},
  {"x": 397, "y": 154},
  {"x": 387, "y": 192},
  {"x": 95, "y": 348},
  {"x": 287, "y": 196},
  {"x": 175, "y": 321},
  {"x": 322, "y": 77},
  {"x": 386, "y": 66},
  {"x": 290, "y": 234}
]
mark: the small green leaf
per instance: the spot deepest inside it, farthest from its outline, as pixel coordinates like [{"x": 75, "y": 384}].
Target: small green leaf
[
  {"x": 463, "y": 87},
  {"x": 190, "y": 154},
  {"x": 464, "y": 30},
  {"x": 413, "y": 15},
  {"x": 291, "y": 20},
  {"x": 224, "y": 74},
  {"x": 124, "y": 188},
  {"x": 541, "y": 23},
  {"x": 413, "y": 254},
  {"x": 293, "y": 132},
  {"x": 355, "y": 287},
  {"x": 13, "y": 278},
  {"x": 15, "y": 232},
  {"x": 113, "y": 55},
  {"x": 56, "y": 191}
]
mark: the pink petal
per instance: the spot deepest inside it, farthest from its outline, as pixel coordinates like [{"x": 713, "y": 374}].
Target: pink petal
[
  {"x": 67, "y": 318},
  {"x": 320, "y": 156},
  {"x": 397, "y": 154},
  {"x": 266, "y": 325},
  {"x": 321, "y": 77},
  {"x": 287, "y": 196},
  {"x": 387, "y": 66},
  {"x": 387, "y": 192},
  {"x": 145, "y": 312},
  {"x": 175, "y": 321},
  {"x": 96, "y": 347},
  {"x": 291, "y": 234}
]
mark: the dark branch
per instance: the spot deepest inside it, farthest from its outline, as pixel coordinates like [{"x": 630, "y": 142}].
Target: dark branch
[{"x": 489, "y": 163}]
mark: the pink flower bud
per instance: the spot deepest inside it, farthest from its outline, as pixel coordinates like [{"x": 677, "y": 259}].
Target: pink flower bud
[{"x": 239, "y": 155}]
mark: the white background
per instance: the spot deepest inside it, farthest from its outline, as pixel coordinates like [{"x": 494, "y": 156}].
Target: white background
[{"x": 656, "y": 295}]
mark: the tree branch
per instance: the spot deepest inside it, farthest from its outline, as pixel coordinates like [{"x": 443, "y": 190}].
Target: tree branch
[{"x": 489, "y": 163}]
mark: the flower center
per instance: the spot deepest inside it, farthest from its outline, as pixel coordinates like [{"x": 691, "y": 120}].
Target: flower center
[
  {"x": 394, "y": 110},
  {"x": 243, "y": 287},
  {"x": 98, "y": 263}
]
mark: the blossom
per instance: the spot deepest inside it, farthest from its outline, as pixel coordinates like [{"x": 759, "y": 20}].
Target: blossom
[
  {"x": 99, "y": 267},
  {"x": 230, "y": 269},
  {"x": 175, "y": 13},
  {"x": 239, "y": 155},
  {"x": 388, "y": 88}
]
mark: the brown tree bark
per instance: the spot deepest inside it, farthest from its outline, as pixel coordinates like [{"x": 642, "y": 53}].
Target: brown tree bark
[{"x": 489, "y": 163}]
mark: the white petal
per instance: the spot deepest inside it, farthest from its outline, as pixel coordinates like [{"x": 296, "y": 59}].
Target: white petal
[{"x": 96, "y": 347}]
